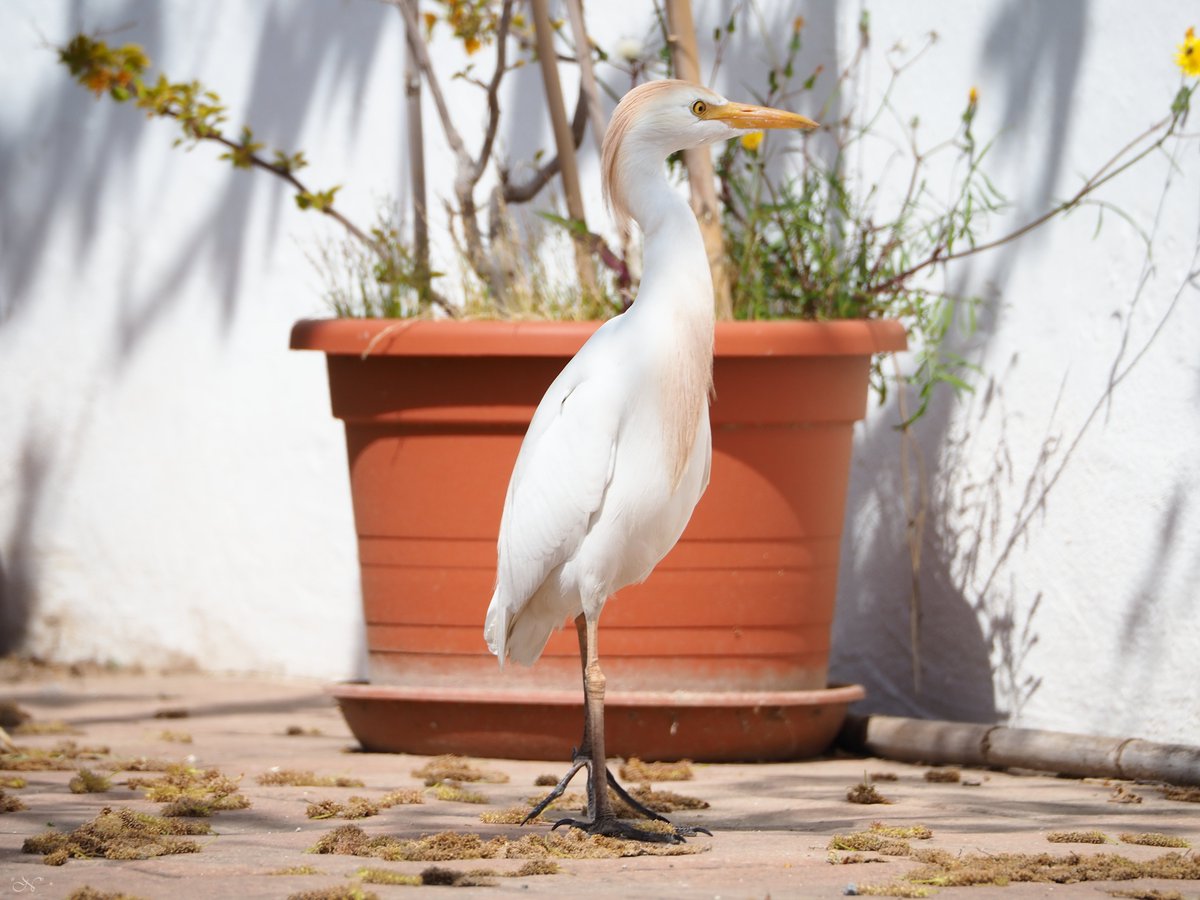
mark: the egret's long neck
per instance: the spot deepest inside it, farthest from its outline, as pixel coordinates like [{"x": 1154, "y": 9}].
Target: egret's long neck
[
  {"x": 675, "y": 266},
  {"x": 676, "y": 291}
]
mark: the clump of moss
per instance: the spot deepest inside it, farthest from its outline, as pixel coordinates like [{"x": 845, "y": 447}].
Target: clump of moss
[
  {"x": 138, "y": 764},
  {"x": 117, "y": 834},
  {"x": 1139, "y": 894},
  {"x": 840, "y": 858},
  {"x": 545, "y": 781},
  {"x": 386, "y": 876},
  {"x": 301, "y": 731},
  {"x": 324, "y": 809},
  {"x": 439, "y": 876},
  {"x": 401, "y": 797},
  {"x": 944, "y": 776},
  {"x": 306, "y": 778},
  {"x": 88, "y": 782},
  {"x": 943, "y": 870},
  {"x": 354, "y": 808},
  {"x": 456, "y": 768},
  {"x": 189, "y": 791},
  {"x": 61, "y": 758},
  {"x": 47, "y": 727},
  {"x": 884, "y": 776},
  {"x": 90, "y": 893},
  {"x": 14, "y": 783},
  {"x": 635, "y": 769},
  {"x": 892, "y": 889},
  {"x": 538, "y": 867},
  {"x": 1077, "y": 837},
  {"x": 865, "y": 792},
  {"x": 172, "y": 712},
  {"x": 513, "y": 815},
  {"x": 341, "y": 892},
  {"x": 174, "y": 737},
  {"x": 871, "y": 841},
  {"x": 1154, "y": 839},
  {"x": 903, "y": 832},
  {"x": 1184, "y": 794},
  {"x": 449, "y": 845},
  {"x": 9, "y": 803},
  {"x": 456, "y": 793},
  {"x": 190, "y": 808},
  {"x": 296, "y": 870}
]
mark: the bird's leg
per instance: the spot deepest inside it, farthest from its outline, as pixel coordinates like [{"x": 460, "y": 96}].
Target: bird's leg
[
  {"x": 579, "y": 756},
  {"x": 582, "y": 755},
  {"x": 604, "y": 820},
  {"x": 584, "y": 750}
]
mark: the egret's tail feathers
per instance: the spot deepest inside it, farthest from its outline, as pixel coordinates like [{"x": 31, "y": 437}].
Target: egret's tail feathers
[
  {"x": 529, "y": 636},
  {"x": 521, "y": 635},
  {"x": 495, "y": 629}
]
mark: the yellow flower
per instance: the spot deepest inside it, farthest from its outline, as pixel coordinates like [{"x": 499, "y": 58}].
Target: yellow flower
[
  {"x": 430, "y": 21},
  {"x": 472, "y": 45},
  {"x": 973, "y": 96},
  {"x": 1188, "y": 57},
  {"x": 752, "y": 140}
]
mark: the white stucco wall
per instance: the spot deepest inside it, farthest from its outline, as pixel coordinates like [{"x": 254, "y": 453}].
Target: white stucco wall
[{"x": 172, "y": 487}]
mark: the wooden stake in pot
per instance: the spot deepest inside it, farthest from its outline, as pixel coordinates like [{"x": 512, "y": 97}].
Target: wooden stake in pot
[{"x": 563, "y": 140}]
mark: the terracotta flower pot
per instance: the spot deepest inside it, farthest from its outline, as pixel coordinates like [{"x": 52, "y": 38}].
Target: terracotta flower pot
[{"x": 735, "y": 622}]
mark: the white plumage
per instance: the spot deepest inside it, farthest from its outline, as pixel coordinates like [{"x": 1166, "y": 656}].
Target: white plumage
[{"x": 618, "y": 452}]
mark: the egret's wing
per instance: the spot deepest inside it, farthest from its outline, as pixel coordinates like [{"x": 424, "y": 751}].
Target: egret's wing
[{"x": 558, "y": 484}]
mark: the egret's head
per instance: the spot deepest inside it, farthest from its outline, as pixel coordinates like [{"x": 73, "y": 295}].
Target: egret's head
[{"x": 656, "y": 119}]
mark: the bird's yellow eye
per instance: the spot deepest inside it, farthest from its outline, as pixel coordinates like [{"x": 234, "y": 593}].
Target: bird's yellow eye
[{"x": 699, "y": 108}]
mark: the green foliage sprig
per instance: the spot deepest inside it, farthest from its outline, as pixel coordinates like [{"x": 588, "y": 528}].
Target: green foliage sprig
[{"x": 121, "y": 72}]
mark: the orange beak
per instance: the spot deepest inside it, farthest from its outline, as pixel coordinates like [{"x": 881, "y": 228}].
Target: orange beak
[{"x": 750, "y": 118}]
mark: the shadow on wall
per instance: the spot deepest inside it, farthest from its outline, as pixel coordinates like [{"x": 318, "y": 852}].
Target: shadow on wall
[
  {"x": 972, "y": 635},
  {"x": 20, "y": 567},
  {"x": 82, "y": 171},
  {"x": 68, "y": 170}
]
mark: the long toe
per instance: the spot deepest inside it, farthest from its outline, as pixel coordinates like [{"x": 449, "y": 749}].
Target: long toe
[{"x": 579, "y": 763}]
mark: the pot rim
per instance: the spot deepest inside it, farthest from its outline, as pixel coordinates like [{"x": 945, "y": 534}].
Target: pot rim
[
  {"x": 847, "y": 693},
  {"x": 479, "y": 337}
]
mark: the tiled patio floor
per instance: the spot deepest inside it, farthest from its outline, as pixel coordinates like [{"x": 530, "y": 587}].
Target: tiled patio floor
[{"x": 771, "y": 824}]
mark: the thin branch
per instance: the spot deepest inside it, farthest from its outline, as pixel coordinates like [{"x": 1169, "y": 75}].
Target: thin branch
[
  {"x": 493, "y": 103},
  {"x": 408, "y": 9},
  {"x": 1101, "y": 177},
  {"x": 587, "y": 74},
  {"x": 211, "y": 134}
]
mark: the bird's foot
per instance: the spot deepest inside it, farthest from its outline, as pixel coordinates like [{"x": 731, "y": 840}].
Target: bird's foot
[
  {"x": 579, "y": 762},
  {"x": 583, "y": 762},
  {"x": 610, "y": 826}
]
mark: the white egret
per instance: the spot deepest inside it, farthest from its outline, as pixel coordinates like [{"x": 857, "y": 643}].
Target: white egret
[{"x": 618, "y": 451}]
